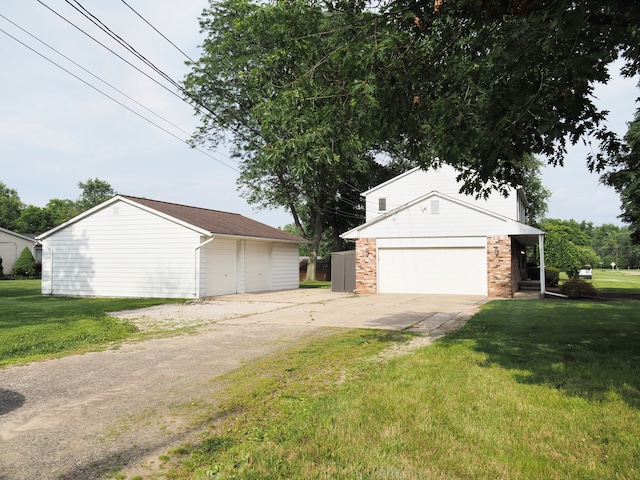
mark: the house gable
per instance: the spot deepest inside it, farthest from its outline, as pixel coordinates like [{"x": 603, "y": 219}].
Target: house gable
[
  {"x": 416, "y": 182},
  {"x": 438, "y": 215}
]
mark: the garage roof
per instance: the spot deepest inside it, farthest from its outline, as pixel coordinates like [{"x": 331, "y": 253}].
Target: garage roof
[{"x": 216, "y": 221}]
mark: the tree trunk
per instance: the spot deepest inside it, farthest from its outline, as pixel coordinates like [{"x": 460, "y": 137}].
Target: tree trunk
[{"x": 316, "y": 236}]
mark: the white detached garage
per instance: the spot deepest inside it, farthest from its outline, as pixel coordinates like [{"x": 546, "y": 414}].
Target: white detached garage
[{"x": 137, "y": 247}]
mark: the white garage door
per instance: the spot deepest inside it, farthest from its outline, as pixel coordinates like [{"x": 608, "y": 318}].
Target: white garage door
[
  {"x": 433, "y": 270},
  {"x": 256, "y": 267},
  {"x": 221, "y": 267}
]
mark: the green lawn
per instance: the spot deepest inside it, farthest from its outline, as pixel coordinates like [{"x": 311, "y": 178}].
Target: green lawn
[
  {"x": 616, "y": 281},
  {"x": 33, "y": 326},
  {"x": 527, "y": 389}
]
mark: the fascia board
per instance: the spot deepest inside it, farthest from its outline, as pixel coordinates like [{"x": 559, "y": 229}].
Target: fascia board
[{"x": 19, "y": 235}]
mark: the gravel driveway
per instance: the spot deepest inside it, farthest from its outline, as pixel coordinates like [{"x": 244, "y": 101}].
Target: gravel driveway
[{"x": 80, "y": 416}]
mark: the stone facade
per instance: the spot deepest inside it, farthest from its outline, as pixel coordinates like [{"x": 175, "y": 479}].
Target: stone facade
[
  {"x": 366, "y": 266},
  {"x": 500, "y": 275}
]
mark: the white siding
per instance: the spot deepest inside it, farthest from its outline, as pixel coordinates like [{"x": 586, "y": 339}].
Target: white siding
[
  {"x": 222, "y": 267},
  {"x": 452, "y": 219},
  {"x": 284, "y": 266},
  {"x": 121, "y": 251},
  {"x": 11, "y": 247},
  {"x": 413, "y": 184}
]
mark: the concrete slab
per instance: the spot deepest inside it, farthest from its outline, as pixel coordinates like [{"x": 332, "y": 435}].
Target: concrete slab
[{"x": 323, "y": 308}]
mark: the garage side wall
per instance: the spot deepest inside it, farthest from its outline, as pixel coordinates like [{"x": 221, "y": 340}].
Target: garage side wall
[{"x": 121, "y": 251}]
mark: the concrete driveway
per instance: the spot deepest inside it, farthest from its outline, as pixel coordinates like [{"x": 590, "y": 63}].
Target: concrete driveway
[
  {"x": 323, "y": 308},
  {"x": 80, "y": 416}
]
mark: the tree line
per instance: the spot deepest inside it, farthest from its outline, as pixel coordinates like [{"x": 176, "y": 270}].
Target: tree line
[{"x": 19, "y": 217}]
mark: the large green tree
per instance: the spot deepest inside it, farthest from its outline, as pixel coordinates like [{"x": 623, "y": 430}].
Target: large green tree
[
  {"x": 284, "y": 81},
  {"x": 625, "y": 178},
  {"x": 94, "y": 192},
  {"x": 10, "y": 207},
  {"x": 480, "y": 84}
]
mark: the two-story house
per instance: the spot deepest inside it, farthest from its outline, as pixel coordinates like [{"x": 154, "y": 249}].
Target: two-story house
[{"x": 422, "y": 235}]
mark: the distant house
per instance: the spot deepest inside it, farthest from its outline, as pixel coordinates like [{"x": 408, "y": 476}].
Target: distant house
[
  {"x": 422, "y": 236},
  {"x": 11, "y": 246},
  {"x": 136, "y": 247}
]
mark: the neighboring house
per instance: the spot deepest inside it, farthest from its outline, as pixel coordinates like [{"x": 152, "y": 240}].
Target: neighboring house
[
  {"x": 136, "y": 247},
  {"x": 422, "y": 236},
  {"x": 11, "y": 246}
]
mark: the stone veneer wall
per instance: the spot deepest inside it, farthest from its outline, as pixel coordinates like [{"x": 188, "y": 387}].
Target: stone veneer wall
[
  {"x": 499, "y": 271},
  {"x": 366, "y": 266}
]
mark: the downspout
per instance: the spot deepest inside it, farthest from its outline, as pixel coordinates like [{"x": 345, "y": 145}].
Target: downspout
[{"x": 196, "y": 290}]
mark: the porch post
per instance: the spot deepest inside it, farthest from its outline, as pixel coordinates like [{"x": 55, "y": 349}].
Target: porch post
[{"x": 542, "y": 275}]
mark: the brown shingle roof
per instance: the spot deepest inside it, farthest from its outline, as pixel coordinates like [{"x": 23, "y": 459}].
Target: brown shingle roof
[{"x": 217, "y": 222}]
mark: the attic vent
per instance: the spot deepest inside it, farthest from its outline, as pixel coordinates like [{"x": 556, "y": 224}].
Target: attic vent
[
  {"x": 116, "y": 210},
  {"x": 435, "y": 207},
  {"x": 382, "y": 204}
]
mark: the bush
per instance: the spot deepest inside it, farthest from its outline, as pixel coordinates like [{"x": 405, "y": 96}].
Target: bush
[
  {"x": 25, "y": 266},
  {"x": 575, "y": 288},
  {"x": 1, "y": 272},
  {"x": 551, "y": 276}
]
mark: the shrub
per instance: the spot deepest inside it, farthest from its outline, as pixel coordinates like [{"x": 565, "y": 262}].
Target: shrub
[
  {"x": 25, "y": 266},
  {"x": 575, "y": 288},
  {"x": 551, "y": 276}
]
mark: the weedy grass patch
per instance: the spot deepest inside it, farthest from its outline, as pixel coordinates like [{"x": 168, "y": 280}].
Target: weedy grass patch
[{"x": 33, "y": 326}]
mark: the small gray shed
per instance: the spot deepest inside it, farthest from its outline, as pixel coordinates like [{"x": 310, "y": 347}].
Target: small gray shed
[{"x": 343, "y": 271}]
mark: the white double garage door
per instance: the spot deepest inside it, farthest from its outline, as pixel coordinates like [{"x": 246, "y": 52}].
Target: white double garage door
[
  {"x": 234, "y": 266},
  {"x": 457, "y": 266}
]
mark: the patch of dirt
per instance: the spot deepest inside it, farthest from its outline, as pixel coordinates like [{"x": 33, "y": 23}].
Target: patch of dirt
[{"x": 194, "y": 313}]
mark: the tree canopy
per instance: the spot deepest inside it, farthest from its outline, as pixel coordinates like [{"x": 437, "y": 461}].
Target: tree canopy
[
  {"x": 482, "y": 84},
  {"x": 16, "y": 216},
  {"x": 625, "y": 177},
  {"x": 277, "y": 78}
]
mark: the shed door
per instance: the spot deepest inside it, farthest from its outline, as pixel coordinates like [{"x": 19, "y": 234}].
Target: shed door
[
  {"x": 433, "y": 270},
  {"x": 221, "y": 267},
  {"x": 257, "y": 267}
]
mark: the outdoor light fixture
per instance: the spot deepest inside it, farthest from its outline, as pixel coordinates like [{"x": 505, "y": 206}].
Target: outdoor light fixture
[{"x": 496, "y": 250}]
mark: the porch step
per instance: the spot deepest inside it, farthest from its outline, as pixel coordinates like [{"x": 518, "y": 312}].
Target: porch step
[{"x": 529, "y": 285}]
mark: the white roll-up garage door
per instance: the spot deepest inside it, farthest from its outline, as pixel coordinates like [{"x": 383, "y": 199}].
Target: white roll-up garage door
[
  {"x": 256, "y": 267},
  {"x": 221, "y": 268},
  {"x": 461, "y": 270}
]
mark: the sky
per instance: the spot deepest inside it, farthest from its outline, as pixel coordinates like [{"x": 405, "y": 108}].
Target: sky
[{"x": 56, "y": 131}]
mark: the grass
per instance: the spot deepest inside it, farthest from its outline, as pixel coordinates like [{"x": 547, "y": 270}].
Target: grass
[
  {"x": 527, "y": 389},
  {"x": 33, "y": 326},
  {"x": 616, "y": 281},
  {"x": 315, "y": 284}
]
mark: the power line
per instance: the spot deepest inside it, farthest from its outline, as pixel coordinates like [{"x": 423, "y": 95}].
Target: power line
[
  {"x": 94, "y": 75},
  {"x": 113, "y": 99},
  {"x": 158, "y": 31}
]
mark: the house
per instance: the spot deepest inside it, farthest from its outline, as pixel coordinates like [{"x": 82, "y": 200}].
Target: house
[
  {"x": 11, "y": 246},
  {"x": 421, "y": 235},
  {"x": 136, "y": 247}
]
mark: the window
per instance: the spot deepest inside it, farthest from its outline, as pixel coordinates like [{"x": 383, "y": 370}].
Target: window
[
  {"x": 435, "y": 207},
  {"x": 382, "y": 204}
]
